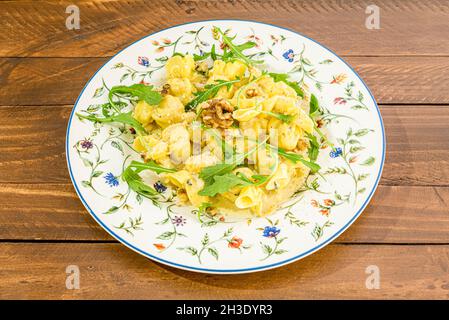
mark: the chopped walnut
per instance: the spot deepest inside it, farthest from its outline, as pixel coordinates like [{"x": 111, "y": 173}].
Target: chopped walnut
[
  {"x": 251, "y": 93},
  {"x": 302, "y": 145},
  {"x": 319, "y": 123},
  {"x": 165, "y": 89},
  {"x": 201, "y": 67},
  {"x": 217, "y": 113}
]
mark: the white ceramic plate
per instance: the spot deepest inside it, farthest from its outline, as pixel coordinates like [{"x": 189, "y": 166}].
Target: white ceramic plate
[{"x": 173, "y": 235}]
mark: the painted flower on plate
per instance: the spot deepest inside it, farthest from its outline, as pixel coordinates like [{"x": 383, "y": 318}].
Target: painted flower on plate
[
  {"x": 86, "y": 144},
  {"x": 235, "y": 243},
  {"x": 111, "y": 180},
  {"x": 160, "y": 187},
  {"x": 159, "y": 246},
  {"x": 335, "y": 153},
  {"x": 339, "y": 100},
  {"x": 143, "y": 61},
  {"x": 289, "y": 55},
  {"x": 339, "y": 78},
  {"x": 178, "y": 221},
  {"x": 271, "y": 232}
]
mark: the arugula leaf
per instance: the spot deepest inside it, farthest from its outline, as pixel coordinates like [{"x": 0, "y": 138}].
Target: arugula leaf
[
  {"x": 314, "y": 105},
  {"x": 294, "y": 157},
  {"x": 125, "y": 118},
  {"x": 202, "y": 209},
  {"x": 284, "y": 78},
  {"x": 314, "y": 110},
  {"x": 153, "y": 166},
  {"x": 314, "y": 148},
  {"x": 237, "y": 49},
  {"x": 210, "y": 91},
  {"x": 139, "y": 90},
  {"x": 136, "y": 184},
  {"x": 223, "y": 184},
  {"x": 228, "y": 181},
  {"x": 204, "y": 56},
  {"x": 213, "y": 54},
  {"x": 207, "y": 173}
]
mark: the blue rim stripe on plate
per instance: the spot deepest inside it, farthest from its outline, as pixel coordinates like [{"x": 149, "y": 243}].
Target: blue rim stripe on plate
[{"x": 227, "y": 271}]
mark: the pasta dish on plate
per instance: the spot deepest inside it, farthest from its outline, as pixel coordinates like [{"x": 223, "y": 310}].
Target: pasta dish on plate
[{"x": 223, "y": 133}]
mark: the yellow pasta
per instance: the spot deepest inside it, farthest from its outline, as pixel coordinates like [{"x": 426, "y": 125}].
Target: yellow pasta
[
  {"x": 280, "y": 178},
  {"x": 193, "y": 186},
  {"x": 249, "y": 197},
  {"x": 142, "y": 112},
  {"x": 169, "y": 111},
  {"x": 180, "y": 67},
  {"x": 178, "y": 179},
  {"x": 241, "y": 123},
  {"x": 181, "y": 88}
]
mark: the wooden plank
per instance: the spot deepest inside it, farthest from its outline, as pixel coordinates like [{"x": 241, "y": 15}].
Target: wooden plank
[
  {"x": 417, "y": 145},
  {"x": 41, "y": 81},
  {"x": 32, "y": 148},
  {"x": 45, "y": 212},
  {"x": 50, "y": 81},
  {"x": 111, "y": 271},
  {"x": 33, "y": 144},
  {"x": 37, "y": 28},
  {"x": 401, "y": 79},
  {"x": 395, "y": 215}
]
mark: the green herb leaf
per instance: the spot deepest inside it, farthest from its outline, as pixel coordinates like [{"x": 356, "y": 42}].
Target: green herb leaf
[
  {"x": 314, "y": 148},
  {"x": 207, "y": 173},
  {"x": 202, "y": 210},
  {"x": 210, "y": 91},
  {"x": 237, "y": 49},
  {"x": 139, "y": 90},
  {"x": 294, "y": 157},
  {"x": 136, "y": 184},
  {"x": 153, "y": 166},
  {"x": 125, "y": 118},
  {"x": 314, "y": 105},
  {"x": 202, "y": 57},
  {"x": 213, "y": 54},
  {"x": 223, "y": 184}
]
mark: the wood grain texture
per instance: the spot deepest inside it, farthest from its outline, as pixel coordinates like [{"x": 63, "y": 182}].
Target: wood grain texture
[
  {"x": 33, "y": 151},
  {"x": 54, "y": 212},
  {"x": 54, "y": 81},
  {"x": 113, "y": 271},
  {"x": 37, "y": 28}
]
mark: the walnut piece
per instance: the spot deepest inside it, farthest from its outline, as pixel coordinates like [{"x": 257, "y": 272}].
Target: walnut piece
[
  {"x": 201, "y": 67},
  {"x": 165, "y": 89},
  {"x": 217, "y": 113},
  {"x": 251, "y": 93}
]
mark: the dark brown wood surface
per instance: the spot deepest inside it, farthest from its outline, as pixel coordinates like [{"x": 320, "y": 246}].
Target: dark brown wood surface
[{"x": 44, "y": 227}]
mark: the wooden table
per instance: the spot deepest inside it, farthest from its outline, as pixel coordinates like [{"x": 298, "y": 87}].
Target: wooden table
[{"x": 44, "y": 227}]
